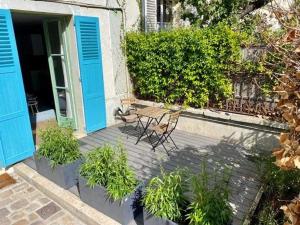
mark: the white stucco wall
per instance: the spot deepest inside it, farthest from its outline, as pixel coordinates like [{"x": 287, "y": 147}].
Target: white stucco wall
[
  {"x": 110, "y": 30},
  {"x": 94, "y": 2},
  {"x": 133, "y": 14}
]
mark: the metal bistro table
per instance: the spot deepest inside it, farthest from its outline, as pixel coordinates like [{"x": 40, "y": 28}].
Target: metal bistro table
[{"x": 152, "y": 113}]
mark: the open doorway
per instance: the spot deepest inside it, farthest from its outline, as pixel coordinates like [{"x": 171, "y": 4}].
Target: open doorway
[
  {"x": 34, "y": 64},
  {"x": 44, "y": 64}
]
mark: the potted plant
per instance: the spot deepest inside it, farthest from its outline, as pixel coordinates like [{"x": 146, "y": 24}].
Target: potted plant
[
  {"x": 58, "y": 156},
  {"x": 210, "y": 201},
  {"x": 108, "y": 184},
  {"x": 164, "y": 199}
]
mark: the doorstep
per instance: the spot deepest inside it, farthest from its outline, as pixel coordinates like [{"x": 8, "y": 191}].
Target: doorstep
[{"x": 65, "y": 198}]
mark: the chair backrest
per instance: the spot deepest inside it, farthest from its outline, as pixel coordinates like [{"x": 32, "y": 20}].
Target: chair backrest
[
  {"x": 128, "y": 101},
  {"x": 173, "y": 120},
  {"x": 127, "y": 106}
]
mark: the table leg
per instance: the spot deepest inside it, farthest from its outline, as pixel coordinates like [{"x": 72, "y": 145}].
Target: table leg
[{"x": 144, "y": 128}]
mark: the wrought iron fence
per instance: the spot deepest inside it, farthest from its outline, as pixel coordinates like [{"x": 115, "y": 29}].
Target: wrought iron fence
[{"x": 248, "y": 99}]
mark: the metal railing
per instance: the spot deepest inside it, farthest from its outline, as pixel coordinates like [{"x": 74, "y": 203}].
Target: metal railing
[{"x": 249, "y": 100}]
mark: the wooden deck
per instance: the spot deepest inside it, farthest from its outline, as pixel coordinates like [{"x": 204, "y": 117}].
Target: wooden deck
[{"x": 193, "y": 151}]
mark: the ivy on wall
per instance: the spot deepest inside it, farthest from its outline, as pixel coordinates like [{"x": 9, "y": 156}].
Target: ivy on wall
[{"x": 186, "y": 66}]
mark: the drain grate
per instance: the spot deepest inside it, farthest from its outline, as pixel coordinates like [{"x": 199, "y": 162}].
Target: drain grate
[{"x": 6, "y": 180}]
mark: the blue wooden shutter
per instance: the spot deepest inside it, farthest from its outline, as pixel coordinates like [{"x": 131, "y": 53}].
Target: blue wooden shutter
[
  {"x": 91, "y": 73},
  {"x": 16, "y": 140}
]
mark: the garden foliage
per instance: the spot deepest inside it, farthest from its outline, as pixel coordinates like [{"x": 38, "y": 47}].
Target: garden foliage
[
  {"x": 288, "y": 88},
  {"x": 203, "y": 13},
  {"x": 284, "y": 48},
  {"x": 107, "y": 166},
  {"x": 184, "y": 65},
  {"x": 278, "y": 185},
  {"x": 165, "y": 195},
  {"x": 210, "y": 204},
  {"x": 59, "y": 146},
  {"x": 199, "y": 199}
]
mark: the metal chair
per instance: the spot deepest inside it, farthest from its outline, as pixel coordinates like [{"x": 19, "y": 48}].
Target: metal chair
[
  {"x": 128, "y": 115},
  {"x": 32, "y": 103},
  {"x": 129, "y": 103},
  {"x": 163, "y": 131}
]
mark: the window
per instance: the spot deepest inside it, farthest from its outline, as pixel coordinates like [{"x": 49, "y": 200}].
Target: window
[
  {"x": 157, "y": 14},
  {"x": 164, "y": 13}
]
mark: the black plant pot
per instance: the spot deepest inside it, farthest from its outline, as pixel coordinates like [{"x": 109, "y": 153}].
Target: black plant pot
[
  {"x": 124, "y": 211},
  {"x": 65, "y": 176},
  {"x": 149, "y": 219}
]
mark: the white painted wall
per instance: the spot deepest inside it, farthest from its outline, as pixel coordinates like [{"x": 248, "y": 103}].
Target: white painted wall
[
  {"x": 133, "y": 14},
  {"x": 95, "y": 2},
  {"x": 110, "y": 30}
]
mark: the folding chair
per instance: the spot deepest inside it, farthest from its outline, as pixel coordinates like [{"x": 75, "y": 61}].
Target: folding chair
[
  {"x": 163, "y": 131},
  {"x": 128, "y": 114},
  {"x": 32, "y": 103},
  {"x": 128, "y": 102}
]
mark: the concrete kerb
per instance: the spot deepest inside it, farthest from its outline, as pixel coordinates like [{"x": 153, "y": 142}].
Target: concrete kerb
[
  {"x": 251, "y": 211},
  {"x": 66, "y": 199}
]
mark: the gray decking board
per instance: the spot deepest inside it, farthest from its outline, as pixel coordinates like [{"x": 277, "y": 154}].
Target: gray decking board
[
  {"x": 137, "y": 159},
  {"x": 194, "y": 142},
  {"x": 95, "y": 140},
  {"x": 193, "y": 151}
]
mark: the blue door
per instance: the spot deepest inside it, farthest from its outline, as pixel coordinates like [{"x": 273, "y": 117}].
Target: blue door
[
  {"x": 16, "y": 141},
  {"x": 91, "y": 73}
]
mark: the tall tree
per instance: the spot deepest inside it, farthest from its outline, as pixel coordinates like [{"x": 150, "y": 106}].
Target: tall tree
[
  {"x": 285, "y": 48},
  {"x": 206, "y": 12}
]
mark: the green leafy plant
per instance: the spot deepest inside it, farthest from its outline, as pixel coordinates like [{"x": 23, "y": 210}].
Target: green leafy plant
[
  {"x": 279, "y": 186},
  {"x": 203, "y": 13},
  {"x": 210, "y": 205},
  {"x": 267, "y": 216},
  {"x": 122, "y": 180},
  {"x": 185, "y": 66},
  {"x": 107, "y": 166},
  {"x": 164, "y": 195},
  {"x": 98, "y": 165},
  {"x": 59, "y": 146},
  {"x": 278, "y": 183}
]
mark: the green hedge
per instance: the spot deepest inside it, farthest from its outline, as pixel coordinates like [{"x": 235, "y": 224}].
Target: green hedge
[{"x": 183, "y": 65}]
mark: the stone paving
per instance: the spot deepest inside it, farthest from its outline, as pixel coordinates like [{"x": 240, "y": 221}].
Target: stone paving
[{"x": 23, "y": 204}]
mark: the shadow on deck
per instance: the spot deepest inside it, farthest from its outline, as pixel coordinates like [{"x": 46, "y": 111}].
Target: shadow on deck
[{"x": 193, "y": 151}]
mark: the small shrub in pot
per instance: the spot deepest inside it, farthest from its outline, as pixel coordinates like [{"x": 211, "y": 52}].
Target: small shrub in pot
[
  {"x": 108, "y": 184},
  {"x": 175, "y": 198},
  {"x": 210, "y": 202},
  {"x": 58, "y": 157},
  {"x": 164, "y": 199}
]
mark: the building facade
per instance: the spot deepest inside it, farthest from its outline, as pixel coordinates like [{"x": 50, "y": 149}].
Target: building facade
[
  {"x": 63, "y": 60},
  {"x": 158, "y": 14}
]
